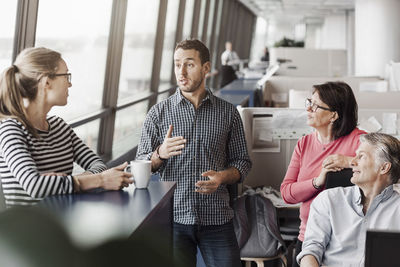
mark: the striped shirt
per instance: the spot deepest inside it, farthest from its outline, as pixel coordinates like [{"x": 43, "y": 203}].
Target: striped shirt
[
  {"x": 24, "y": 159},
  {"x": 214, "y": 141}
]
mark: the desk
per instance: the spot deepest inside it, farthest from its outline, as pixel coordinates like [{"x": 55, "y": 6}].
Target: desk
[
  {"x": 235, "y": 99},
  {"x": 245, "y": 87},
  {"x": 92, "y": 219}
]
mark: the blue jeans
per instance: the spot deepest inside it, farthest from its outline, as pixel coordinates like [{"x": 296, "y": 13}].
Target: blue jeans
[{"x": 217, "y": 244}]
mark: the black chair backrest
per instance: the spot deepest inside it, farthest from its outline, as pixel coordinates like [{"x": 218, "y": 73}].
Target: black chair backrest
[
  {"x": 340, "y": 178},
  {"x": 227, "y": 74}
]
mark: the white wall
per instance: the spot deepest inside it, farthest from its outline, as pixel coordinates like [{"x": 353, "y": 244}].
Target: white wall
[
  {"x": 350, "y": 42},
  {"x": 277, "y": 29},
  {"x": 313, "y": 36},
  {"x": 310, "y": 62},
  {"x": 377, "y": 35},
  {"x": 259, "y": 39},
  {"x": 334, "y": 32}
]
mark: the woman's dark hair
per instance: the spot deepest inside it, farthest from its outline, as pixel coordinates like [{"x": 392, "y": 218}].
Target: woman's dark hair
[{"x": 340, "y": 98}]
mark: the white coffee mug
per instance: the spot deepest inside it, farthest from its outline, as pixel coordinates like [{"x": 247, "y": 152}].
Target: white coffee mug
[{"x": 141, "y": 171}]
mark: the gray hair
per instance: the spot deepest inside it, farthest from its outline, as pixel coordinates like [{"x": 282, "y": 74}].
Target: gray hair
[{"x": 387, "y": 149}]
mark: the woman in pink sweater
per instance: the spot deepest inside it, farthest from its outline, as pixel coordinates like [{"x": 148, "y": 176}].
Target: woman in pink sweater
[{"x": 332, "y": 111}]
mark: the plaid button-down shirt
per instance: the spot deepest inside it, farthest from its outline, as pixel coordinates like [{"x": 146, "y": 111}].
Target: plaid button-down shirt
[{"x": 214, "y": 141}]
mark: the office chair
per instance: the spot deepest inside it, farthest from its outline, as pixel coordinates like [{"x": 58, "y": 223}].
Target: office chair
[
  {"x": 340, "y": 178},
  {"x": 227, "y": 74}
]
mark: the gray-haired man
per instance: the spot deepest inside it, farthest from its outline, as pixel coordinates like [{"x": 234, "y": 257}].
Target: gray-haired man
[{"x": 340, "y": 217}]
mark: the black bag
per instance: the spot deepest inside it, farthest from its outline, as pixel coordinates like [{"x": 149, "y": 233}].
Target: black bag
[{"x": 256, "y": 226}]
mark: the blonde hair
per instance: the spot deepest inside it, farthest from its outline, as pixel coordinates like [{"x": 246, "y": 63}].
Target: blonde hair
[{"x": 20, "y": 81}]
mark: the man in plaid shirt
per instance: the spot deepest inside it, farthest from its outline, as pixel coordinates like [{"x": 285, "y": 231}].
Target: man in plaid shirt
[{"x": 197, "y": 140}]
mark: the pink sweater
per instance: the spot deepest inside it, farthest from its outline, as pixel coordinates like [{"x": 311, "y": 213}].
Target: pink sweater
[{"x": 306, "y": 163}]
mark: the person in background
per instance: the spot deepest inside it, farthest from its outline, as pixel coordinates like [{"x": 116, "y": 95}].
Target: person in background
[
  {"x": 230, "y": 57},
  {"x": 332, "y": 112},
  {"x": 37, "y": 151},
  {"x": 340, "y": 217},
  {"x": 197, "y": 140},
  {"x": 265, "y": 56}
]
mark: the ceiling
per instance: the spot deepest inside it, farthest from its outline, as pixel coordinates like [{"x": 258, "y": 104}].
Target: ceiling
[{"x": 307, "y": 11}]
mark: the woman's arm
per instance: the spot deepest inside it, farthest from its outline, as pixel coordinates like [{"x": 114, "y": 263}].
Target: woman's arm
[
  {"x": 292, "y": 190},
  {"x": 111, "y": 179},
  {"x": 96, "y": 174},
  {"x": 16, "y": 155},
  {"x": 84, "y": 156}
]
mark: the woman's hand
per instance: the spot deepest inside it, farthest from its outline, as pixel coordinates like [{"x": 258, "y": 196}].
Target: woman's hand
[
  {"x": 115, "y": 178},
  {"x": 336, "y": 161},
  {"x": 321, "y": 179},
  {"x": 332, "y": 163}
]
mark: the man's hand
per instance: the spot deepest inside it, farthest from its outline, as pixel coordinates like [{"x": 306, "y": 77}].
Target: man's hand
[
  {"x": 309, "y": 261},
  {"x": 172, "y": 146},
  {"x": 211, "y": 185}
]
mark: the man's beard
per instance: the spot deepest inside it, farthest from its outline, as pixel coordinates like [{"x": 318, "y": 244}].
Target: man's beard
[{"x": 194, "y": 86}]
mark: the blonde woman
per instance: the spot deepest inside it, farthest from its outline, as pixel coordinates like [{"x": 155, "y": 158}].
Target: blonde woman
[{"x": 37, "y": 151}]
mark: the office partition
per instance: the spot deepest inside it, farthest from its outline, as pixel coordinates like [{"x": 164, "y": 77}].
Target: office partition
[{"x": 272, "y": 134}]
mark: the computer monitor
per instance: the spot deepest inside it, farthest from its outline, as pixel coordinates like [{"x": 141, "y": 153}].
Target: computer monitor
[{"x": 382, "y": 248}]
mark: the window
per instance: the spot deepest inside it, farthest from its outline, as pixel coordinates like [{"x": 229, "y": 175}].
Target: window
[
  {"x": 214, "y": 50},
  {"x": 128, "y": 125},
  {"x": 169, "y": 45},
  {"x": 187, "y": 21},
  {"x": 8, "y": 12},
  {"x": 64, "y": 26},
  {"x": 210, "y": 22},
  {"x": 201, "y": 20},
  {"x": 138, "y": 51},
  {"x": 162, "y": 96},
  {"x": 89, "y": 133}
]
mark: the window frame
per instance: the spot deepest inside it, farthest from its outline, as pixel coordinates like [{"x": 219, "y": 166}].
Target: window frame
[{"x": 25, "y": 34}]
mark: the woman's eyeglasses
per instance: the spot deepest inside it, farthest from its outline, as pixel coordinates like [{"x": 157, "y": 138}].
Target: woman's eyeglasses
[
  {"x": 314, "y": 106},
  {"x": 69, "y": 76}
]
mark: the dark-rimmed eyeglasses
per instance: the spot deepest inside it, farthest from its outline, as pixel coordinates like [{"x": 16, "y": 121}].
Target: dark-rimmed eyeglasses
[
  {"x": 69, "y": 76},
  {"x": 313, "y": 106}
]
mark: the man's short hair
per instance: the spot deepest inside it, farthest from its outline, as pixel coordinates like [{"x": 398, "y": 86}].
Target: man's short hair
[
  {"x": 196, "y": 45},
  {"x": 387, "y": 149}
]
